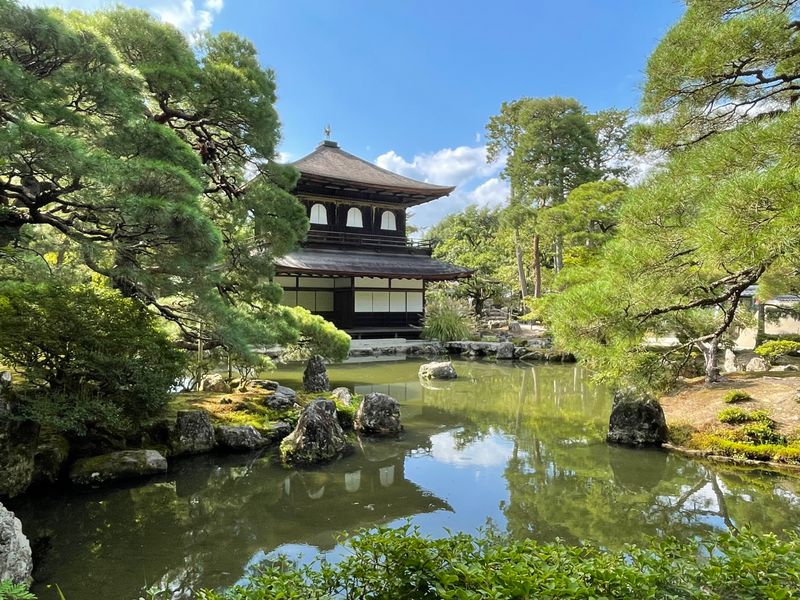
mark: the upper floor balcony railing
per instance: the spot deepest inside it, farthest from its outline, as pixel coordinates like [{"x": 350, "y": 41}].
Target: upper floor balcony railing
[{"x": 366, "y": 240}]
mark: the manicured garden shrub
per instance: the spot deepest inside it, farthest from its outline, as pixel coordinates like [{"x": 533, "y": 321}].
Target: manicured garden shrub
[
  {"x": 774, "y": 349},
  {"x": 735, "y": 415},
  {"x": 388, "y": 564},
  {"x": 760, "y": 432},
  {"x": 734, "y": 396}
]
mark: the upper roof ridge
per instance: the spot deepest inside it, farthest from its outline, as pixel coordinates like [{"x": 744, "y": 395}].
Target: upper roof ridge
[{"x": 330, "y": 161}]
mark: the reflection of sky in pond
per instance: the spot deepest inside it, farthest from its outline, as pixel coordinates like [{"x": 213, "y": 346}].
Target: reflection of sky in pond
[
  {"x": 491, "y": 451},
  {"x": 520, "y": 446}
]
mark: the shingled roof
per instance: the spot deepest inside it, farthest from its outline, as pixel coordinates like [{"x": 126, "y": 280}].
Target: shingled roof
[
  {"x": 330, "y": 162},
  {"x": 359, "y": 263}
]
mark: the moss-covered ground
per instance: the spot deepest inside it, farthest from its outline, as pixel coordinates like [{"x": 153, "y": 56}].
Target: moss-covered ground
[{"x": 763, "y": 425}]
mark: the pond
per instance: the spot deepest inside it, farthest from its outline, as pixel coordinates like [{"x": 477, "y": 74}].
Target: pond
[{"x": 517, "y": 447}]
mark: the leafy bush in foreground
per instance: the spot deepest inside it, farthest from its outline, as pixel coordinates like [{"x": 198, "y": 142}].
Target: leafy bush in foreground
[
  {"x": 386, "y": 564},
  {"x": 14, "y": 591}
]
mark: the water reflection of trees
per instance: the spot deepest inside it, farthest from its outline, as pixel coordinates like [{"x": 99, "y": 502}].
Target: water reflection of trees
[
  {"x": 202, "y": 527},
  {"x": 214, "y": 515},
  {"x": 564, "y": 481}
]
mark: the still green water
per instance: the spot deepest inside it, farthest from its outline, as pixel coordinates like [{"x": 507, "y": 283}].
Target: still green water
[{"x": 517, "y": 446}]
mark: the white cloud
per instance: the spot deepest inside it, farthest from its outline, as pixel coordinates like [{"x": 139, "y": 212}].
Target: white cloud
[
  {"x": 476, "y": 181},
  {"x": 448, "y": 166},
  {"x": 189, "y": 16},
  {"x": 492, "y": 192}
]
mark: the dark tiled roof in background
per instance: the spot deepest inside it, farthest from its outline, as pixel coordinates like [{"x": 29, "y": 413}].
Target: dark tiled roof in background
[
  {"x": 350, "y": 263},
  {"x": 330, "y": 161}
]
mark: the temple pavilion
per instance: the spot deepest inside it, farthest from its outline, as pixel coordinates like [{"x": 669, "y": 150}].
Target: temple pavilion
[{"x": 356, "y": 267}]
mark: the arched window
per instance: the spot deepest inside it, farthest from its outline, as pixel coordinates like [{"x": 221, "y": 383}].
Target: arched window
[
  {"x": 388, "y": 221},
  {"x": 354, "y": 218},
  {"x": 319, "y": 216}
]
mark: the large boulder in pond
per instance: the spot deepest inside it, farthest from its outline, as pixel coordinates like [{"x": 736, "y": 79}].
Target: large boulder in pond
[
  {"x": 378, "y": 414},
  {"x": 637, "y": 419},
  {"x": 437, "y": 370},
  {"x": 16, "y": 562},
  {"x": 193, "y": 433},
  {"x": 315, "y": 376},
  {"x": 215, "y": 383},
  {"x": 117, "y": 466},
  {"x": 318, "y": 436},
  {"x": 240, "y": 438}
]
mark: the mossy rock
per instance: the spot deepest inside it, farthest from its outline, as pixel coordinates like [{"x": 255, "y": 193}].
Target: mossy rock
[{"x": 117, "y": 466}]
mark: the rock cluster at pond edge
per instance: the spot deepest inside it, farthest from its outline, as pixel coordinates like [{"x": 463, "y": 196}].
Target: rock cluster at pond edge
[
  {"x": 193, "y": 433},
  {"x": 239, "y": 438}
]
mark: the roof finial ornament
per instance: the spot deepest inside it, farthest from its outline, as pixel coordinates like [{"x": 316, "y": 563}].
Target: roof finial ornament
[{"x": 327, "y": 132}]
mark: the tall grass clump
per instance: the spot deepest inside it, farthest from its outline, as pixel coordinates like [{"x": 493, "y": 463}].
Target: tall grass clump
[{"x": 448, "y": 319}]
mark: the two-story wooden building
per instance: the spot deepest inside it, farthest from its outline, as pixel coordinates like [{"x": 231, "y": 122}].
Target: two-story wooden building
[{"x": 356, "y": 267}]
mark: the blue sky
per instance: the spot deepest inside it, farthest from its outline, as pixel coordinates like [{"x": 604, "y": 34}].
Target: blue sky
[{"x": 411, "y": 84}]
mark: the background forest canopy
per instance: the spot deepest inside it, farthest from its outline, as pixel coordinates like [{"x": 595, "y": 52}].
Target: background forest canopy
[
  {"x": 123, "y": 191},
  {"x": 626, "y": 261}
]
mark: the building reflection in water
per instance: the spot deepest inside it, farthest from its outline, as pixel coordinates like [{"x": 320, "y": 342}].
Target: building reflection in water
[{"x": 550, "y": 472}]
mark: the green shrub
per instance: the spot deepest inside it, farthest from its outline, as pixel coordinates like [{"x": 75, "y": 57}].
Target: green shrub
[
  {"x": 385, "y": 564},
  {"x": 448, "y": 319},
  {"x": 734, "y": 396},
  {"x": 317, "y": 336},
  {"x": 734, "y": 415},
  {"x": 759, "y": 432},
  {"x": 90, "y": 357},
  {"x": 774, "y": 349}
]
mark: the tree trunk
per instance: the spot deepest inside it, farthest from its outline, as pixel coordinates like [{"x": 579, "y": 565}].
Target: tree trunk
[
  {"x": 558, "y": 259},
  {"x": 523, "y": 283},
  {"x": 537, "y": 268},
  {"x": 761, "y": 328},
  {"x": 711, "y": 355}
]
